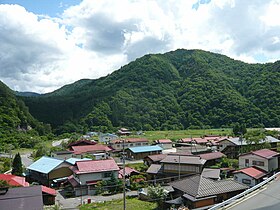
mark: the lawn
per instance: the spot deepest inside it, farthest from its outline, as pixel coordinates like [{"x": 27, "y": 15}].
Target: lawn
[{"x": 131, "y": 203}]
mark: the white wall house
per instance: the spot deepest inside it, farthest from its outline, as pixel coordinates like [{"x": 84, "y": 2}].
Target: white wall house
[{"x": 249, "y": 176}]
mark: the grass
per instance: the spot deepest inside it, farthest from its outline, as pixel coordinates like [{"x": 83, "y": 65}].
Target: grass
[{"x": 131, "y": 203}]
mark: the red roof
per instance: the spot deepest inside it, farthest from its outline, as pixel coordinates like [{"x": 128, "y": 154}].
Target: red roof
[
  {"x": 128, "y": 171},
  {"x": 211, "y": 155},
  {"x": 252, "y": 172},
  {"x": 14, "y": 180},
  {"x": 129, "y": 140},
  {"x": 164, "y": 141},
  {"x": 90, "y": 148},
  {"x": 48, "y": 190},
  {"x": 265, "y": 153},
  {"x": 95, "y": 166},
  {"x": 186, "y": 140}
]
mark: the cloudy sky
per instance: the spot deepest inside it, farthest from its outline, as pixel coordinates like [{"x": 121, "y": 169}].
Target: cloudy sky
[{"x": 45, "y": 44}]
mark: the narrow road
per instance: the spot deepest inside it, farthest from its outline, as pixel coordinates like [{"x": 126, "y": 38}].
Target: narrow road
[{"x": 26, "y": 161}]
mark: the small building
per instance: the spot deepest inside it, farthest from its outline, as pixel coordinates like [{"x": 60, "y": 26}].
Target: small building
[
  {"x": 107, "y": 138},
  {"x": 249, "y": 176},
  {"x": 164, "y": 143},
  {"x": 119, "y": 144},
  {"x": 82, "y": 142},
  {"x": 264, "y": 159},
  {"x": 62, "y": 155},
  {"x": 137, "y": 153},
  {"x": 198, "y": 191},
  {"x": 124, "y": 132},
  {"x": 154, "y": 159},
  {"x": 81, "y": 151},
  {"x": 49, "y": 195},
  {"x": 86, "y": 175},
  {"x": 47, "y": 169},
  {"x": 212, "y": 158},
  {"x": 25, "y": 198}
]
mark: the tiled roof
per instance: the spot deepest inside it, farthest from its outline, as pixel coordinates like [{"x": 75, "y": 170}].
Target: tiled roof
[
  {"x": 94, "y": 166},
  {"x": 153, "y": 169},
  {"x": 90, "y": 148},
  {"x": 14, "y": 180},
  {"x": 72, "y": 161},
  {"x": 45, "y": 164},
  {"x": 158, "y": 157},
  {"x": 198, "y": 186},
  {"x": 252, "y": 172},
  {"x": 48, "y": 190},
  {"x": 212, "y": 155},
  {"x": 265, "y": 153},
  {"x": 145, "y": 149},
  {"x": 164, "y": 141},
  {"x": 128, "y": 171},
  {"x": 129, "y": 140},
  {"x": 175, "y": 159},
  {"x": 73, "y": 181}
]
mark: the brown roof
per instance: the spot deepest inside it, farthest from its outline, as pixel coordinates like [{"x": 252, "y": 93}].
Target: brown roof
[
  {"x": 163, "y": 141},
  {"x": 193, "y": 160},
  {"x": 156, "y": 158},
  {"x": 265, "y": 153},
  {"x": 153, "y": 169},
  {"x": 212, "y": 155},
  {"x": 198, "y": 186}
]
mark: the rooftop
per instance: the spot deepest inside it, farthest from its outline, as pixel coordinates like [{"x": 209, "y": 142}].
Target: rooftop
[
  {"x": 145, "y": 149},
  {"x": 128, "y": 171},
  {"x": 264, "y": 153},
  {"x": 72, "y": 161},
  {"x": 176, "y": 159},
  {"x": 237, "y": 140},
  {"x": 90, "y": 148},
  {"x": 252, "y": 172},
  {"x": 163, "y": 141},
  {"x": 154, "y": 169},
  {"x": 48, "y": 190},
  {"x": 14, "y": 180},
  {"x": 129, "y": 140},
  {"x": 94, "y": 166},
  {"x": 156, "y": 158},
  {"x": 45, "y": 164},
  {"x": 212, "y": 155},
  {"x": 213, "y": 173}
]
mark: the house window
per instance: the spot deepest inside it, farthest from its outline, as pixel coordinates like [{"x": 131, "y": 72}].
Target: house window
[
  {"x": 138, "y": 144},
  {"x": 131, "y": 145},
  {"x": 258, "y": 163},
  {"x": 107, "y": 174},
  {"x": 246, "y": 181},
  {"x": 247, "y": 162}
]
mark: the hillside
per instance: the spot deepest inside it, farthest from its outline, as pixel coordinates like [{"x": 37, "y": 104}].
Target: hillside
[
  {"x": 15, "y": 120},
  {"x": 176, "y": 90}
]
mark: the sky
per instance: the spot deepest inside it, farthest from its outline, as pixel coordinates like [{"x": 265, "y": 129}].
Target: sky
[{"x": 46, "y": 44}]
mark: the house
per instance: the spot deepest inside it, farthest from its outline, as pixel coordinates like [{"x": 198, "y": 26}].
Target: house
[
  {"x": 95, "y": 150},
  {"x": 119, "y": 144},
  {"x": 14, "y": 180},
  {"x": 47, "y": 169},
  {"x": 138, "y": 153},
  {"x": 87, "y": 173},
  {"x": 164, "y": 143},
  {"x": 250, "y": 176},
  {"x": 82, "y": 142},
  {"x": 107, "y": 137},
  {"x": 198, "y": 191},
  {"x": 128, "y": 172},
  {"x": 264, "y": 159},
  {"x": 25, "y": 198},
  {"x": 232, "y": 147},
  {"x": 154, "y": 159},
  {"x": 124, "y": 132},
  {"x": 211, "y": 158},
  {"x": 62, "y": 155}
]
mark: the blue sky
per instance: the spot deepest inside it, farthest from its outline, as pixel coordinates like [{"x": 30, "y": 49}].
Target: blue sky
[{"x": 46, "y": 44}]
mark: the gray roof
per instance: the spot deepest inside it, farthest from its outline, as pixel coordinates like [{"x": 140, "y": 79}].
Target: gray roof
[
  {"x": 198, "y": 186},
  {"x": 236, "y": 140},
  {"x": 213, "y": 173},
  {"x": 193, "y": 160},
  {"x": 22, "y": 198},
  {"x": 154, "y": 169}
]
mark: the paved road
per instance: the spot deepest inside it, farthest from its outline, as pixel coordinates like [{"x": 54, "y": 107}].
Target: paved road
[
  {"x": 26, "y": 161},
  {"x": 266, "y": 199},
  {"x": 73, "y": 203}
]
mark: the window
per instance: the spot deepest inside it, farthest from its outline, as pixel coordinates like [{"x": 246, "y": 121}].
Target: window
[
  {"x": 246, "y": 181},
  {"x": 106, "y": 174},
  {"x": 258, "y": 163},
  {"x": 247, "y": 162}
]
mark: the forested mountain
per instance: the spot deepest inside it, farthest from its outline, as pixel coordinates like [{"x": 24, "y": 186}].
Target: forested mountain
[
  {"x": 15, "y": 119},
  {"x": 175, "y": 90}
]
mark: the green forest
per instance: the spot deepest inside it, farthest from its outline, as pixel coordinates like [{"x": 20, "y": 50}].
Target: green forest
[
  {"x": 176, "y": 90},
  {"x": 182, "y": 89}
]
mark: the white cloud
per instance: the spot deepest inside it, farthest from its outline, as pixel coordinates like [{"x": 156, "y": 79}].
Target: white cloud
[{"x": 94, "y": 38}]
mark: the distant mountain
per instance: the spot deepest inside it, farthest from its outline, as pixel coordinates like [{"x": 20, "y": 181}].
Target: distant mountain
[
  {"x": 27, "y": 94},
  {"x": 176, "y": 90}
]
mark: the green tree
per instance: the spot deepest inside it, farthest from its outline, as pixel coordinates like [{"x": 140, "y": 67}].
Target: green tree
[
  {"x": 17, "y": 165},
  {"x": 157, "y": 194}
]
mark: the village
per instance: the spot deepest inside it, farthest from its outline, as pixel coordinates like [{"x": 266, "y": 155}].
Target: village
[{"x": 194, "y": 172}]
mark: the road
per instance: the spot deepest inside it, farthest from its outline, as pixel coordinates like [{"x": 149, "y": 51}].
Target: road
[
  {"x": 26, "y": 161},
  {"x": 266, "y": 199}
]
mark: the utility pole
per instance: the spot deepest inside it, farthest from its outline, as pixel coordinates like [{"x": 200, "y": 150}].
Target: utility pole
[
  {"x": 179, "y": 167},
  {"x": 123, "y": 159}
]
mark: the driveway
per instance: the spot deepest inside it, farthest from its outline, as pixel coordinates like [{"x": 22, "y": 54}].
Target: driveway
[{"x": 73, "y": 203}]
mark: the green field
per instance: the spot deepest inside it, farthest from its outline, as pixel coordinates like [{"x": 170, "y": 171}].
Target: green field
[
  {"x": 131, "y": 203},
  {"x": 175, "y": 135}
]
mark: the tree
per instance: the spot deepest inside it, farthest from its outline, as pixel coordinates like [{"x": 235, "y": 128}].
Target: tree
[
  {"x": 157, "y": 194},
  {"x": 17, "y": 165}
]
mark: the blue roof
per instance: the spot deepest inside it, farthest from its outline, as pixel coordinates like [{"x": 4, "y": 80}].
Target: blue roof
[
  {"x": 72, "y": 161},
  {"x": 45, "y": 164},
  {"x": 145, "y": 149}
]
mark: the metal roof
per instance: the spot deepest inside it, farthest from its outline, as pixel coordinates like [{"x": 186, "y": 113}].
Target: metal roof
[
  {"x": 45, "y": 164},
  {"x": 72, "y": 161},
  {"x": 237, "y": 140},
  {"x": 145, "y": 149}
]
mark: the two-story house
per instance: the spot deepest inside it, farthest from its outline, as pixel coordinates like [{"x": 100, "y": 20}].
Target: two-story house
[
  {"x": 87, "y": 173},
  {"x": 119, "y": 144},
  {"x": 264, "y": 159}
]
